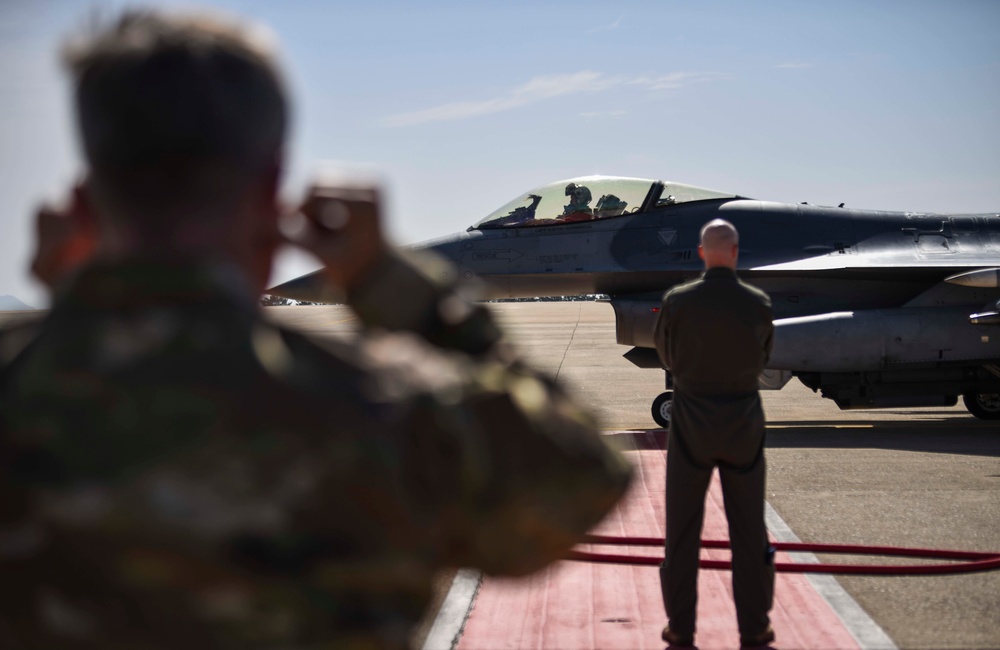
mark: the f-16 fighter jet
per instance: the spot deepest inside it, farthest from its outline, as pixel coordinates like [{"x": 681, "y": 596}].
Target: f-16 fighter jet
[{"x": 873, "y": 308}]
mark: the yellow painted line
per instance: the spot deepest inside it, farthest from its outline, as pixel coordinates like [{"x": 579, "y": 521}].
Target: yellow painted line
[{"x": 338, "y": 322}]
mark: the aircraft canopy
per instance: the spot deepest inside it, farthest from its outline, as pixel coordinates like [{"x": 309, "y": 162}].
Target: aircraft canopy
[{"x": 590, "y": 198}]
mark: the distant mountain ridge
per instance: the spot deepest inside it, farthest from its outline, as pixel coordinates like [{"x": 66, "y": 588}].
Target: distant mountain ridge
[{"x": 10, "y": 303}]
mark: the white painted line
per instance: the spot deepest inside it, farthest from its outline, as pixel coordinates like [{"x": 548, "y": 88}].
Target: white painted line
[
  {"x": 450, "y": 619},
  {"x": 868, "y": 633}
]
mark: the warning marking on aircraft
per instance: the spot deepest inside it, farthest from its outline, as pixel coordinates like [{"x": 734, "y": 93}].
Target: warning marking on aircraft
[{"x": 508, "y": 255}]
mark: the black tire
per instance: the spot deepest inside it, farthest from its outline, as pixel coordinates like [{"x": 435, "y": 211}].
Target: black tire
[
  {"x": 662, "y": 408},
  {"x": 985, "y": 406}
]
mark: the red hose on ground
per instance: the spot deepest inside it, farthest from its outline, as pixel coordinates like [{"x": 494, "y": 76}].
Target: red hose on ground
[{"x": 973, "y": 560}]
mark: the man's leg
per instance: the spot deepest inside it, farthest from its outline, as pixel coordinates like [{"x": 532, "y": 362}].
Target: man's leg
[
  {"x": 686, "y": 487},
  {"x": 753, "y": 562}
]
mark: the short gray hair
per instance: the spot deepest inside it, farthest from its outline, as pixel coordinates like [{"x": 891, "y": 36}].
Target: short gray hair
[{"x": 169, "y": 107}]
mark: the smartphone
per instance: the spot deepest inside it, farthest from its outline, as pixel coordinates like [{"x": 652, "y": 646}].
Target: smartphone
[{"x": 341, "y": 192}]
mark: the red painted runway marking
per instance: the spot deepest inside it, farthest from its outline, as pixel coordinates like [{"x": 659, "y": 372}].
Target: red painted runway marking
[{"x": 577, "y": 605}]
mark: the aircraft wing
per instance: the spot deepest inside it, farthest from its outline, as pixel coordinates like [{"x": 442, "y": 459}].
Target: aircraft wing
[{"x": 833, "y": 262}]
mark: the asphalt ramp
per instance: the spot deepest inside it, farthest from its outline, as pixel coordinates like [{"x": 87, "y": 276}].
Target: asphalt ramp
[{"x": 573, "y": 605}]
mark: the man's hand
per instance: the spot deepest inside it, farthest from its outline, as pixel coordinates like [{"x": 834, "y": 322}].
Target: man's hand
[
  {"x": 344, "y": 230},
  {"x": 65, "y": 239}
]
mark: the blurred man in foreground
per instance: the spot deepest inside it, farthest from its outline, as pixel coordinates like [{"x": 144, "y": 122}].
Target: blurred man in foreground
[
  {"x": 177, "y": 472},
  {"x": 715, "y": 336}
]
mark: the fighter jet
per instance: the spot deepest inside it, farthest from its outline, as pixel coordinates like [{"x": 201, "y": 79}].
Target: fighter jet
[{"x": 872, "y": 308}]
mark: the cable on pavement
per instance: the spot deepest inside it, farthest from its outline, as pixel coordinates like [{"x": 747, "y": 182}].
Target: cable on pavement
[{"x": 964, "y": 561}]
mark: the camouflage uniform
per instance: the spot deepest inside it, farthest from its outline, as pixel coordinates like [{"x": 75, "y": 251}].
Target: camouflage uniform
[{"x": 177, "y": 472}]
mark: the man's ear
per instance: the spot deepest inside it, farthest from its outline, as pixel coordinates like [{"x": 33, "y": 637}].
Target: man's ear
[
  {"x": 65, "y": 238},
  {"x": 701, "y": 251}
]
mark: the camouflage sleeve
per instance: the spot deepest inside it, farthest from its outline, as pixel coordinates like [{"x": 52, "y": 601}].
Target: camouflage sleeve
[
  {"x": 516, "y": 470},
  {"x": 419, "y": 292}
]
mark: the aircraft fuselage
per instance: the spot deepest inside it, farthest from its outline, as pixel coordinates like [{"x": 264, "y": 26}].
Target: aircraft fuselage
[
  {"x": 642, "y": 255},
  {"x": 873, "y": 308}
]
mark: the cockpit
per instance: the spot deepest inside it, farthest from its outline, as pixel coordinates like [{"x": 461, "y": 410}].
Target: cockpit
[{"x": 592, "y": 198}]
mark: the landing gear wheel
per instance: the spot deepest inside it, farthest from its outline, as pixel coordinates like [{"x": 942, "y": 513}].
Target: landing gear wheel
[
  {"x": 985, "y": 406},
  {"x": 662, "y": 407}
]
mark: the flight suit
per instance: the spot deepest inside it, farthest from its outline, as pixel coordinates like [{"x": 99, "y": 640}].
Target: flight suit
[
  {"x": 177, "y": 472},
  {"x": 715, "y": 336}
]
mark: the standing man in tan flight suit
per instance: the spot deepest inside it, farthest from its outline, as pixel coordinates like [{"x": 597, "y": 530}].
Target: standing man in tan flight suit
[
  {"x": 714, "y": 335},
  {"x": 178, "y": 472}
]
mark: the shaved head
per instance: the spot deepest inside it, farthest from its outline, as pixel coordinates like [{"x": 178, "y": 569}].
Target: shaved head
[
  {"x": 719, "y": 234},
  {"x": 719, "y": 244}
]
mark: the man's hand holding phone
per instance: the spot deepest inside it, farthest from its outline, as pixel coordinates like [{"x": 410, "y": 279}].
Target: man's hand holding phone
[{"x": 343, "y": 228}]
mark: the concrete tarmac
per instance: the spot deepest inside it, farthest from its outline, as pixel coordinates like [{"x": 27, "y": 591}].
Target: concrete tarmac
[
  {"x": 899, "y": 477},
  {"x": 905, "y": 477}
]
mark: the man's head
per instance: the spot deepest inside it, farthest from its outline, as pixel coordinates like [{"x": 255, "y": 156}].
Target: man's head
[
  {"x": 720, "y": 244},
  {"x": 182, "y": 122}
]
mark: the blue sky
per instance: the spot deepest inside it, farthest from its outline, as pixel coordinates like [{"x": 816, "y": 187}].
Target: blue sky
[{"x": 464, "y": 105}]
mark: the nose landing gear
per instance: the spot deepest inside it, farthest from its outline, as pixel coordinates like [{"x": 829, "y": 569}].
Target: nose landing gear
[
  {"x": 662, "y": 407},
  {"x": 985, "y": 406}
]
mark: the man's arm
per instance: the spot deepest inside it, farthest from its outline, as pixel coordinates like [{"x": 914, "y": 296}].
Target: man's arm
[
  {"x": 768, "y": 343},
  {"x": 660, "y": 334},
  {"x": 769, "y": 323},
  {"x": 515, "y": 469},
  {"x": 529, "y": 470}
]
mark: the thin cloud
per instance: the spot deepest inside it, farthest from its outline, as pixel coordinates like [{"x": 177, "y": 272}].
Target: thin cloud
[
  {"x": 673, "y": 80},
  {"x": 542, "y": 88},
  {"x": 604, "y": 28},
  {"x": 537, "y": 89},
  {"x": 794, "y": 66},
  {"x": 598, "y": 114}
]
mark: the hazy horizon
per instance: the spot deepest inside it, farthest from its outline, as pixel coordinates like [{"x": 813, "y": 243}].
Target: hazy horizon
[{"x": 464, "y": 105}]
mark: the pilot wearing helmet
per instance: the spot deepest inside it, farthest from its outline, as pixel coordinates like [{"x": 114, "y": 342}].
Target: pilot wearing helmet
[{"x": 579, "y": 204}]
